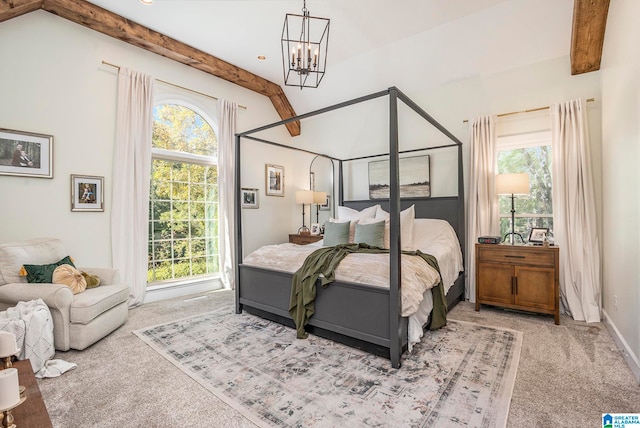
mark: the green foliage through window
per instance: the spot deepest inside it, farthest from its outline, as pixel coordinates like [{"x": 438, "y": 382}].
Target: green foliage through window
[
  {"x": 183, "y": 214},
  {"x": 535, "y": 209}
]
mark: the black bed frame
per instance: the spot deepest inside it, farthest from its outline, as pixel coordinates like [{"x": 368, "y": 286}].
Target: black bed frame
[{"x": 355, "y": 314}]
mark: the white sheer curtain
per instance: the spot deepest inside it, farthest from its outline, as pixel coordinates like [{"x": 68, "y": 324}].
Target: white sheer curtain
[
  {"x": 131, "y": 177},
  {"x": 483, "y": 214},
  {"x": 574, "y": 212},
  {"x": 227, "y": 113}
]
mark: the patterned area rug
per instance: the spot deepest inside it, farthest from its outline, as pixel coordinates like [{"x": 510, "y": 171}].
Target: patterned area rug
[{"x": 460, "y": 375}]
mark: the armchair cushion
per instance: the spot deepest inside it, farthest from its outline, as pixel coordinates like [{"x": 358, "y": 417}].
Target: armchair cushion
[
  {"x": 14, "y": 255},
  {"x": 71, "y": 277}
]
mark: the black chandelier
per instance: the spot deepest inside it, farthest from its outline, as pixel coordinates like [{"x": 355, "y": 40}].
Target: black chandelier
[{"x": 304, "y": 49}]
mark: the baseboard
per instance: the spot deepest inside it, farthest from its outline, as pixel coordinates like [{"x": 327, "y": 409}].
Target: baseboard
[
  {"x": 154, "y": 294},
  {"x": 632, "y": 360}
]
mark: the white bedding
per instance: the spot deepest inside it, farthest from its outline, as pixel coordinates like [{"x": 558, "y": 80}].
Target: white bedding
[{"x": 435, "y": 237}]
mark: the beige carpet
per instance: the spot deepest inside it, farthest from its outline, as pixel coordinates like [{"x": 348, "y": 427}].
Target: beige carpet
[
  {"x": 568, "y": 375},
  {"x": 459, "y": 376}
]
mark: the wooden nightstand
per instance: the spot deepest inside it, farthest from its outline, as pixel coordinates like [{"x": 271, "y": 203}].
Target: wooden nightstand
[
  {"x": 518, "y": 277},
  {"x": 294, "y": 238}
]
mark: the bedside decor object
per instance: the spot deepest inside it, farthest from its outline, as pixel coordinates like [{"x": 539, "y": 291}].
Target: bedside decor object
[
  {"x": 537, "y": 235},
  {"x": 489, "y": 239},
  {"x": 26, "y": 154},
  {"x": 304, "y": 197},
  {"x": 249, "y": 198},
  {"x": 305, "y": 44},
  {"x": 512, "y": 184},
  {"x": 87, "y": 193},
  {"x": 274, "y": 176},
  {"x": 8, "y": 347},
  {"x": 315, "y": 229}
]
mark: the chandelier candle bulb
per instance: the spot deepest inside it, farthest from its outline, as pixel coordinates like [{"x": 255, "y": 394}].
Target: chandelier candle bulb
[
  {"x": 7, "y": 344},
  {"x": 9, "y": 388}
]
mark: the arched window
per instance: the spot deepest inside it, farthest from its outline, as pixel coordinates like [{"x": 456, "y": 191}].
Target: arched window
[{"x": 183, "y": 215}]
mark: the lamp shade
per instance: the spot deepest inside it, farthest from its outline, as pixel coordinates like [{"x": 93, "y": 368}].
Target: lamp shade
[
  {"x": 304, "y": 197},
  {"x": 319, "y": 197},
  {"x": 512, "y": 184}
]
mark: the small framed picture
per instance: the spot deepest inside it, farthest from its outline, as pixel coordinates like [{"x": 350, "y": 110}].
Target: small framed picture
[
  {"x": 26, "y": 154},
  {"x": 327, "y": 204},
  {"x": 315, "y": 229},
  {"x": 274, "y": 176},
  {"x": 87, "y": 193},
  {"x": 250, "y": 198},
  {"x": 537, "y": 234}
]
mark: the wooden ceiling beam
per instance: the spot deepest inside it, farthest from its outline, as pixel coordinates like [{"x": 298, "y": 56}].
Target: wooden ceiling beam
[
  {"x": 105, "y": 22},
  {"x": 587, "y": 34},
  {"x": 13, "y": 8}
]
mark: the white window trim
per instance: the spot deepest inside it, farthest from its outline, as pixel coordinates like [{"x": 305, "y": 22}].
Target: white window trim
[{"x": 519, "y": 141}]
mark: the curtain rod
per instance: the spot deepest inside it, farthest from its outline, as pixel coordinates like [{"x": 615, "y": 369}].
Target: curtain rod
[
  {"x": 174, "y": 85},
  {"x": 589, "y": 100}
]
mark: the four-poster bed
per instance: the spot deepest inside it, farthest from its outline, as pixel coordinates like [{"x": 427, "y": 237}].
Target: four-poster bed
[{"x": 359, "y": 315}]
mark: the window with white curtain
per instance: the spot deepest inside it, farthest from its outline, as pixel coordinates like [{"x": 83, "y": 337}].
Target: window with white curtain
[
  {"x": 183, "y": 214},
  {"x": 527, "y": 153}
]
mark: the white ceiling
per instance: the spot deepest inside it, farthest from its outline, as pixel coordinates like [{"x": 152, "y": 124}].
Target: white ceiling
[{"x": 373, "y": 44}]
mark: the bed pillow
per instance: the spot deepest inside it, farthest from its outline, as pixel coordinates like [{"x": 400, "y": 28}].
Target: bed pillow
[
  {"x": 407, "y": 218},
  {"x": 44, "y": 273},
  {"x": 355, "y": 216},
  {"x": 336, "y": 233},
  {"x": 371, "y": 234}
]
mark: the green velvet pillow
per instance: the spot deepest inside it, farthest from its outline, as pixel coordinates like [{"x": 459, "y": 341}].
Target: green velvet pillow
[
  {"x": 371, "y": 234},
  {"x": 336, "y": 233},
  {"x": 44, "y": 273}
]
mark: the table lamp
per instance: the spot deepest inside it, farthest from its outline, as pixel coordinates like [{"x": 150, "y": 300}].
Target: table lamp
[
  {"x": 512, "y": 184},
  {"x": 319, "y": 198},
  {"x": 304, "y": 197}
]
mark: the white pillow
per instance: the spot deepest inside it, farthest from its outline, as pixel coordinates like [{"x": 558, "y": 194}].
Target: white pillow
[
  {"x": 346, "y": 213},
  {"x": 406, "y": 226},
  {"x": 354, "y": 216}
]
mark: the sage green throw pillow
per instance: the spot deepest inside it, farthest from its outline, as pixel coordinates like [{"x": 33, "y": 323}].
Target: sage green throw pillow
[
  {"x": 44, "y": 273},
  {"x": 336, "y": 233},
  {"x": 371, "y": 234}
]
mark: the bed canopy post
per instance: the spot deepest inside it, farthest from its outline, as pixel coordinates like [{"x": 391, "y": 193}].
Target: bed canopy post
[
  {"x": 238, "y": 225},
  {"x": 395, "y": 333},
  {"x": 340, "y": 184}
]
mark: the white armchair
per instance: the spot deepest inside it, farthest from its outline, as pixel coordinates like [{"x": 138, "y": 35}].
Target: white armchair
[{"x": 78, "y": 320}]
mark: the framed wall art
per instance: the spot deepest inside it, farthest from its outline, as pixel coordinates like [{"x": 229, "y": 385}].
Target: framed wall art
[
  {"x": 87, "y": 193},
  {"x": 249, "y": 198},
  {"x": 414, "y": 178},
  {"x": 274, "y": 176},
  {"x": 327, "y": 204},
  {"x": 26, "y": 154}
]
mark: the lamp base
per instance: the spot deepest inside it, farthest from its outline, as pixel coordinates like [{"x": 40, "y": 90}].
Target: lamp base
[
  {"x": 304, "y": 230},
  {"x": 513, "y": 239}
]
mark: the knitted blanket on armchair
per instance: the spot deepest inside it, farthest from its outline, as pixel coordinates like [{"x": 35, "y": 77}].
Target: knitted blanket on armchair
[{"x": 32, "y": 324}]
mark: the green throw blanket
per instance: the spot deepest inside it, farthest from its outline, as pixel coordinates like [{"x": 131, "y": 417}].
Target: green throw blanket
[{"x": 322, "y": 263}]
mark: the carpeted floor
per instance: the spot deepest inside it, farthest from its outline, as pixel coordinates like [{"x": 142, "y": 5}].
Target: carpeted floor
[
  {"x": 458, "y": 376},
  {"x": 568, "y": 375}
]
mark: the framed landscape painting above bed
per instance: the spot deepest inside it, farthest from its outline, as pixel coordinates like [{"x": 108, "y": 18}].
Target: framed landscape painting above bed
[{"x": 415, "y": 179}]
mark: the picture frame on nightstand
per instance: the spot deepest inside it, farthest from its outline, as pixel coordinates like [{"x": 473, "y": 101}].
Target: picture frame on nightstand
[{"x": 537, "y": 234}]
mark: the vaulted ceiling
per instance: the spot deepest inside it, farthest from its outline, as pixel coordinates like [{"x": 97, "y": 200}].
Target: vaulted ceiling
[{"x": 373, "y": 44}]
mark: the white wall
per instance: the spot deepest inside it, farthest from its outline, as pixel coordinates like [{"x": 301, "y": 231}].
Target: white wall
[
  {"x": 52, "y": 81},
  {"x": 621, "y": 181}
]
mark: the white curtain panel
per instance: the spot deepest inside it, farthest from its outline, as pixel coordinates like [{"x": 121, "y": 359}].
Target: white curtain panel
[
  {"x": 227, "y": 114},
  {"x": 131, "y": 178},
  {"x": 482, "y": 213},
  {"x": 574, "y": 212}
]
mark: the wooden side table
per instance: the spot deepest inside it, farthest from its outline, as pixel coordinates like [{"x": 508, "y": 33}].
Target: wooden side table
[
  {"x": 519, "y": 277},
  {"x": 294, "y": 238},
  {"x": 32, "y": 413}
]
